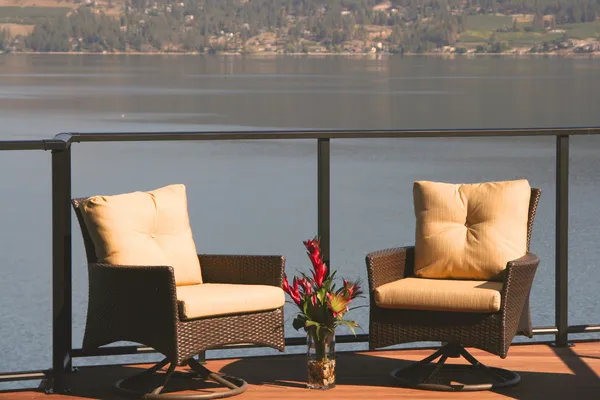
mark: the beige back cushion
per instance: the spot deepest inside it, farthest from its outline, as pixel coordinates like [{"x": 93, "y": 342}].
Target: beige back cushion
[
  {"x": 144, "y": 228},
  {"x": 469, "y": 231}
]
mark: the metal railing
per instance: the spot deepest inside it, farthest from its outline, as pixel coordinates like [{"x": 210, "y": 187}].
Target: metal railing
[{"x": 61, "y": 145}]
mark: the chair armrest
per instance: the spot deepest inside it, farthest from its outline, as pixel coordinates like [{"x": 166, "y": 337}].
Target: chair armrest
[
  {"x": 519, "y": 275},
  {"x": 242, "y": 269},
  {"x": 389, "y": 265},
  {"x": 518, "y": 279},
  {"x": 132, "y": 303}
]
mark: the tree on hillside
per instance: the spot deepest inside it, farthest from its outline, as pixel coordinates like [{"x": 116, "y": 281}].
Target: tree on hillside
[{"x": 4, "y": 39}]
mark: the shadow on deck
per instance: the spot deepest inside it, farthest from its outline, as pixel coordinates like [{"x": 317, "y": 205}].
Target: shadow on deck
[{"x": 546, "y": 373}]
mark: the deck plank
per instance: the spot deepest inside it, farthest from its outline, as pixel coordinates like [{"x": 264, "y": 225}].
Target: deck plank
[{"x": 546, "y": 372}]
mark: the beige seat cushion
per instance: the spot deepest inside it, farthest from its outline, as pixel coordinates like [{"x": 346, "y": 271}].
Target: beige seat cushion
[
  {"x": 469, "y": 231},
  {"x": 212, "y": 299},
  {"x": 144, "y": 228},
  {"x": 440, "y": 295}
]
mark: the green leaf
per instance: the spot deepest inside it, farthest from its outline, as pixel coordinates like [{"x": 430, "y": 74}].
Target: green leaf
[
  {"x": 321, "y": 294},
  {"x": 350, "y": 324},
  {"x": 310, "y": 323},
  {"x": 299, "y": 322}
]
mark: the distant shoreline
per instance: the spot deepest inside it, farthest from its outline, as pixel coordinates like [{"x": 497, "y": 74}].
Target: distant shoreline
[{"x": 274, "y": 55}]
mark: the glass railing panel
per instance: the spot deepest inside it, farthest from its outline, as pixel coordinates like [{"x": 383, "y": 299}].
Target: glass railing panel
[
  {"x": 372, "y": 205},
  {"x": 26, "y": 261},
  {"x": 584, "y": 279}
]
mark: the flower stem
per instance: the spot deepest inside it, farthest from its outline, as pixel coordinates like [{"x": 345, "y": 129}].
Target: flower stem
[{"x": 320, "y": 342}]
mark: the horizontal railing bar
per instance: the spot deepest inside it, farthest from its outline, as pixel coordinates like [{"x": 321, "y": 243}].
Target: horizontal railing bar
[
  {"x": 23, "y": 145},
  {"x": 322, "y": 134},
  {"x": 583, "y": 328},
  {"x": 112, "y": 351},
  {"x": 22, "y": 376},
  {"x": 549, "y": 330},
  {"x": 130, "y": 350},
  {"x": 63, "y": 140},
  {"x": 298, "y": 341}
]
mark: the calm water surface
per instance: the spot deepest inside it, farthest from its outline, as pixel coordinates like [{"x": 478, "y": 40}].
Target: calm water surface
[{"x": 260, "y": 197}]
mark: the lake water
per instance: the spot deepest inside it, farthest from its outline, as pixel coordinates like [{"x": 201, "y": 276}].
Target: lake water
[{"x": 260, "y": 197}]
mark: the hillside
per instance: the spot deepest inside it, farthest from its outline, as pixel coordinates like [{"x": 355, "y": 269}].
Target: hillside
[{"x": 307, "y": 26}]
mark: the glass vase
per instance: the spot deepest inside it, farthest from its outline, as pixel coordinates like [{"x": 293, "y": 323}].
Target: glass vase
[{"x": 321, "y": 360}]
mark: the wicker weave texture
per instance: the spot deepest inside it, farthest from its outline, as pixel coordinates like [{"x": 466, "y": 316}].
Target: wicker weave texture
[
  {"x": 135, "y": 304},
  {"x": 490, "y": 332},
  {"x": 533, "y": 205},
  {"x": 515, "y": 296},
  {"x": 139, "y": 304},
  {"x": 249, "y": 270},
  {"x": 264, "y": 328}
]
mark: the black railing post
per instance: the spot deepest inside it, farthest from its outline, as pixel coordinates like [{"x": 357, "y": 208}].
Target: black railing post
[
  {"x": 323, "y": 197},
  {"x": 562, "y": 239},
  {"x": 61, "y": 268}
]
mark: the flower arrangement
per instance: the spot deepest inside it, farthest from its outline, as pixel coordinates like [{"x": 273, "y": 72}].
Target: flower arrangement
[{"x": 322, "y": 309}]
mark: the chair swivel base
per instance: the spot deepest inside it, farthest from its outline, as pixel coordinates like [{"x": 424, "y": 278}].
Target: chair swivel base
[
  {"x": 451, "y": 377},
  {"x": 234, "y": 385}
]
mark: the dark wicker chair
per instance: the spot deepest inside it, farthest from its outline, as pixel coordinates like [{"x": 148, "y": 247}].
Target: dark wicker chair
[
  {"x": 118, "y": 293},
  {"x": 492, "y": 332}
]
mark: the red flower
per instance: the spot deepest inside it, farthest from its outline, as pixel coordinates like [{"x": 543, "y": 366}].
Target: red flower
[
  {"x": 286, "y": 285},
  {"x": 306, "y": 285},
  {"x": 314, "y": 254},
  {"x": 352, "y": 289},
  {"x": 313, "y": 300},
  {"x": 293, "y": 292},
  {"x": 313, "y": 246}
]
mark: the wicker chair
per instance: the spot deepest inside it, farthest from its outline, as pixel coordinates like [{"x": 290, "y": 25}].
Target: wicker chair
[
  {"x": 140, "y": 304},
  {"x": 492, "y": 332}
]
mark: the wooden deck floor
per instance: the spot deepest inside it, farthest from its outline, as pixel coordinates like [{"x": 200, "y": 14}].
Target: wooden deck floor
[{"x": 546, "y": 372}]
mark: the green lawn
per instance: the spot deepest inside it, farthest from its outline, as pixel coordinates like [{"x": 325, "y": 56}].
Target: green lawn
[
  {"x": 474, "y": 37},
  {"x": 479, "y": 28},
  {"x": 582, "y": 30},
  {"x": 487, "y": 23},
  {"x": 527, "y": 38}
]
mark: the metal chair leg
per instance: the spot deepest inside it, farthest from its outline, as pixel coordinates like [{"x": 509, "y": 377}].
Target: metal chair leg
[
  {"x": 234, "y": 385},
  {"x": 225, "y": 380},
  {"x": 425, "y": 375},
  {"x": 169, "y": 374}
]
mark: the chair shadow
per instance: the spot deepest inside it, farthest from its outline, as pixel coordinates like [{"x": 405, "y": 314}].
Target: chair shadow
[
  {"x": 290, "y": 371},
  {"x": 99, "y": 383},
  {"x": 372, "y": 370},
  {"x": 581, "y": 382},
  {"x": 592, "y": 357}
]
